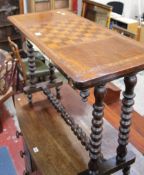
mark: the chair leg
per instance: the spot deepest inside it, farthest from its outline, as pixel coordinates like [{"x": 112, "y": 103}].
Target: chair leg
[
  {"x": 17, "y": 80},
  {"x": 13, "y": 99}
]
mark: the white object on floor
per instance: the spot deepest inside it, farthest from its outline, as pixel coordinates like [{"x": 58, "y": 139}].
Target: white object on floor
[{"x": 11, "y": 109}]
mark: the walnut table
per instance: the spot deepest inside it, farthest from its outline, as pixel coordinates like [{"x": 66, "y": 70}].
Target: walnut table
[{"x": 89, "y": 56}]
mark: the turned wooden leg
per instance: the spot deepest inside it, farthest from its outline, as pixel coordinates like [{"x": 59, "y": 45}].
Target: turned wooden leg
[
  {"x": 29, "y": 96},
  {"x": 32, "y": 67},
  {"x": 31, "y": 64},
  {"x": 52, "y": 79},
  {"x": 125, "y": 122},
  {"x": 84, "y": 94},
  {"x": 96, "y": 130},
  {"x": 58, "y": 92}
]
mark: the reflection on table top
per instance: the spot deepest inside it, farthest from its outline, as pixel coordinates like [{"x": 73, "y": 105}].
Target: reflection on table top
[{"x": 83, "y": 50}]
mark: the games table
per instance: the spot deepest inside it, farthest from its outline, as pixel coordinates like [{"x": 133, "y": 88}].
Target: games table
[{"x": 89, "y": 56}]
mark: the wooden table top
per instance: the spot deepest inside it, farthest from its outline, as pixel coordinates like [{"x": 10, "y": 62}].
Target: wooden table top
[{"x": 84, "y": 51}]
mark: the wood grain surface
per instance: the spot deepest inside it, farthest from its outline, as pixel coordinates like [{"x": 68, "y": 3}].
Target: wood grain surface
[
  {"x": 84, "y": 51},
  {"x": 60, "y": 153}
]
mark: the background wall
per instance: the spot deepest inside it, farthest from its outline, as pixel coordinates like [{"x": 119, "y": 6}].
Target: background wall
[
  {"x": 130, "y": 7},
  {"x": 25, "y": 6}
]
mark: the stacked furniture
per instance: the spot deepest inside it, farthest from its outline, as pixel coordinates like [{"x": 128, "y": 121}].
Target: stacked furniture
[
  {"x": 98, "y": 12},
  {"x": 7, "y": 8}
]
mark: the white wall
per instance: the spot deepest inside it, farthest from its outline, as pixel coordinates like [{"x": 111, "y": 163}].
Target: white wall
[
  {"x": 130, "y": 7},
  {"x": 25, "y": 6}
]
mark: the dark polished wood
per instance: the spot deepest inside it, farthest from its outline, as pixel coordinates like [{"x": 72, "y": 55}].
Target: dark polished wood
[
  {"x": 59, "y": 150},
  {"x": 84, "y": 94},
  {"x": 77, "y": 50},
  {"x": 8, "y": 8},
  {"x": 77, "y": 130},
  {"x": 32, "y": 68},
  {"x": 111, "y": 166},
  {"x": 96, "y": 130},
  {"x": 32, "y": 64},
  {"x": 125, "y": 122},
  {"x": 137, "y": 127},
  {"x": 53, "y": 78},
  {"x": 89, "y": 54}
]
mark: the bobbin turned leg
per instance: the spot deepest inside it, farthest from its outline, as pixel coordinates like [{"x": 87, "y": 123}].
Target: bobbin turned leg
[
  {"x": 96, "y": 130},
  {"x": 127, "y": 103},
  {"x": 32, "y": 68},
  {"x": 122, "y": 161},
  {"x": 52, "y": 79},
  {"x": 29, "y": 96}
]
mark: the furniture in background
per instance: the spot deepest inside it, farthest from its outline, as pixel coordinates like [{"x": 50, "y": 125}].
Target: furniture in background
[
  {"x": 86, "y": 12},
  {"x": 89, "y": 59},
  {"x": 7, "y": 77},
  {"x": 124, "y": 31},
  {"x": 97, "y": 12},
  {"x": 56, "y": 140},
  {"x": 9, "y": 7},
  {"x": 127, "y": 23},
  {"x": 43, "y": 5},
  {"x": 41, "y": 73},
  {"x": 117, "y": 6}
]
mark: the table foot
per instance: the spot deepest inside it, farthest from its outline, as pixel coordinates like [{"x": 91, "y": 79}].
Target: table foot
[
  {"x": 111, "y": 166},
  {"x": 126, "y": 171},
  {"x": 31, "y": 64}
]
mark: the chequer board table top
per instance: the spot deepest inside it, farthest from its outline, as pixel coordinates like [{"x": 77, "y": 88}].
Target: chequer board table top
[{"x": 83, "y": 50}]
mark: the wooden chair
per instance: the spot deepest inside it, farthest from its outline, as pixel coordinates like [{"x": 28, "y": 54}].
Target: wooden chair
[
  {"x": 128, "y": 33},
  {"x": 97, "y": 12},
  {"x": 41, "y": 67},
  {"x": 42, "y": 70},
  {"x": 7, "y": 77}
]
